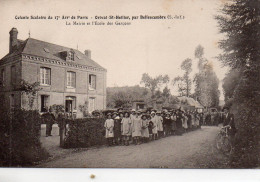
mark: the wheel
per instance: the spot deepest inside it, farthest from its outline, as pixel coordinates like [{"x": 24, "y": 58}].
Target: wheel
[
  {"x": 219, "y": 141},
  {"x": 226, "y": 146}
]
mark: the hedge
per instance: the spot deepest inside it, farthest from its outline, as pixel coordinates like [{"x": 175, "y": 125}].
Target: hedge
[
  {"x": 85, "y": 132},
  {"x": 20, "y": 138}
]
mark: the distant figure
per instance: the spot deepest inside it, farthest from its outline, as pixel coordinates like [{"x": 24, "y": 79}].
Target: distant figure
[{"x": 49, "y": 119}]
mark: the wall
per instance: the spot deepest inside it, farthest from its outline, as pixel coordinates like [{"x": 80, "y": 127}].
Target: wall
[{"x": 57, "y": 91}]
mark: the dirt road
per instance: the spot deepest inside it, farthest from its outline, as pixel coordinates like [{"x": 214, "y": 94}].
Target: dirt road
[{"x": 195, "y": 149}]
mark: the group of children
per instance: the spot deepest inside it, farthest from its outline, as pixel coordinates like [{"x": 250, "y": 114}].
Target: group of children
[{"x": 141, "y": 127}]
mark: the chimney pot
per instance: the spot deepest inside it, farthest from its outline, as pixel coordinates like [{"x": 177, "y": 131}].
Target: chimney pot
[{"x": 88, "y": 53}]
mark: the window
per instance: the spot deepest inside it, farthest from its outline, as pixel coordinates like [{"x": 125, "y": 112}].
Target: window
[
  {"x": 91, "y": 104},
  {"x": 71, "y": 79},
  {"x": 44, "y": 103},
  {"x": 2, "y": 78},
  {"x": 13, "y": 75},
  {"x": 92, "y": 82},
  {"x": 45, "y": 76},
  {"x": 71, "y": 56}
]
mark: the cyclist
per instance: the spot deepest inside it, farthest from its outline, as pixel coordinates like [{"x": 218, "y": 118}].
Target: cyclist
[{"x": 228, "y": 119}]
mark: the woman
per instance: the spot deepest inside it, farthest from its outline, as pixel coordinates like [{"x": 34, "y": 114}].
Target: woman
[
  {"x": 117, "y": 128},
  {"x": 185, "y": 122},
  {"x": 159, "y": 124},
  {"x": 136, "y": 129},
  {"x": 167, "y": 124},
  {"x": 145, "y": 131},
  {"x": 126, "y": 128},
  {"x": 109, "y": 126}
]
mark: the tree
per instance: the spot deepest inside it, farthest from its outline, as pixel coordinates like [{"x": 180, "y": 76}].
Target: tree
[
  {"x": 206, "y": 81},
  {"x": 184, "y": 82},
  {"x": 154, "y": 84},
  {"x": 240, "y": 23},
  {"x": 230, "y": 83}
]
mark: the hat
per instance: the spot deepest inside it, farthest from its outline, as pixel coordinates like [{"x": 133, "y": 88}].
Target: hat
[
  {"x": 109, "y": 113},
  {"x": 225, "y": 107},
  {"x": 143, "y": 116},
  {"x": 133, "y": 110},
  {"x": 158, "y": 112},
  {"x": 152, "y": 112}
]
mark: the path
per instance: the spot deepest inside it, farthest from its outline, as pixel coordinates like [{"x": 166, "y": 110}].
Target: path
[{"x": 195, "y": 149}]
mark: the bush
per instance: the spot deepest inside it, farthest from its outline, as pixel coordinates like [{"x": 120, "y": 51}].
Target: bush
[
  {"x": 85, "y": 132},
  {"x": 20, "y": 138}
]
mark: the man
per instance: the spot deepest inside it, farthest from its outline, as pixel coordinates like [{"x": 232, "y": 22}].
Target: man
[
  {"x": 228, "y": 119},
  {"x": 49, "y": 120}
]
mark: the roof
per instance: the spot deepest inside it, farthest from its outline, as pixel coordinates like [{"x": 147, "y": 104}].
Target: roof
[
  {"x": 190, "y": 101},
  {"x": 40, "y": 48}
]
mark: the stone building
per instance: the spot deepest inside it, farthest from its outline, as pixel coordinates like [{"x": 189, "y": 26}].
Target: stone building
[{"x": 66, "y": 76}]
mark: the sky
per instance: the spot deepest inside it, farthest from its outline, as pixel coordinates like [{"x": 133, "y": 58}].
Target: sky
[{"x": 146, "y": 46}]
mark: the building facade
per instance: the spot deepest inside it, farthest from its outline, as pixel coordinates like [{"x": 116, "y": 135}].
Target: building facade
[{"x": 66, "y": 76}]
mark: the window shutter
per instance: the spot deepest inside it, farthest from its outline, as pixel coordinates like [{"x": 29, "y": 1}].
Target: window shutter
[{"x": 74, "y": 80}]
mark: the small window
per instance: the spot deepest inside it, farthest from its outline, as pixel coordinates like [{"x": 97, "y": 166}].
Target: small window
[
  {"x": 71, "y": 56},
  {"x": 2, "y": 78},
  {"x": 92, "y": 82},
  {"x": 44, "y": 103},
  {"x": 71, "y": 79},
  {"x": 13, "y": 75},
  {"x": 45, "y": 76}
]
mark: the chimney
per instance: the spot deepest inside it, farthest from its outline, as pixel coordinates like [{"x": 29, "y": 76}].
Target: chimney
[
  {"x": 13, "y": 39},
  {"x": 88, "y": 53}
]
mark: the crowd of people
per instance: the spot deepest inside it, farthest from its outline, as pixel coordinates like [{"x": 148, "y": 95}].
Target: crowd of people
[{"x": 124, "y": 127}]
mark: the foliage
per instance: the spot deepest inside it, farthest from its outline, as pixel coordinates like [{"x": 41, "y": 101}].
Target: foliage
[
  {"x": 85, "y": 133},
  {"x": 123, "y": 96},
  {"x": 206, "y": 81},
  {"x": 154, "y": 84},
  {"x": 230, "y": 83},
  {"x": 20, "y": 138},
  {"x": 240, "y": 22},
  {"x": 30, "y": 90},
  {"x": 84, "y": 109},
  {"x": 184, "y": 82}
]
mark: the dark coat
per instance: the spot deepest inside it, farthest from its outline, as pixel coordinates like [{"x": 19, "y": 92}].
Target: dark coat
[{"x": 229, "y": 120}]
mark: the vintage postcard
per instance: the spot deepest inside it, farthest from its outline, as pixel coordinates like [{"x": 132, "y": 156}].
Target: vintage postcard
[{"x": 130, "y": 84}]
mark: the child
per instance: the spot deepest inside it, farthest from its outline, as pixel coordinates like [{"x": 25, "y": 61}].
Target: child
[
  {"x": 145, "y": 131},
  {"x": 155, "y": 131},
  {"x": 150, "y": 127},
  {"x": 109, "y": 126},
  {"x": 126, "y": 128}
]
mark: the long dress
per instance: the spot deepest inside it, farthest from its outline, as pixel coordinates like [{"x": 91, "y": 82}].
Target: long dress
[
  {"x": 126, "y": 126},
  {"x": 154, "y": 120},
  {"x": 185, "y": 122},
  {"x": 136, "y": 127},
  {"x": 109, "y": 125},
  {"x": 159, "y": 123},
  {"x": 145, "y": 131},
  {"x": 117, "y": 126}
]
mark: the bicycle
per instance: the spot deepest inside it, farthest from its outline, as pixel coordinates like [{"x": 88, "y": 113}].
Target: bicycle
[{"x": 223, "y": 142}]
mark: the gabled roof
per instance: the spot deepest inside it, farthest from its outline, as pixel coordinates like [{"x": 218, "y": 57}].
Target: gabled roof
[{"x": 51, "y": 51}]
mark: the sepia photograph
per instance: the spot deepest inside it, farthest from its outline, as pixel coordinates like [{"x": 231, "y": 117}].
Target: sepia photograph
[{"x": 172, "y": 84}]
